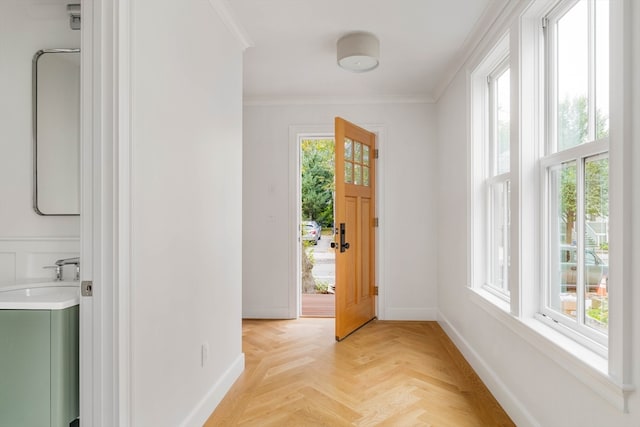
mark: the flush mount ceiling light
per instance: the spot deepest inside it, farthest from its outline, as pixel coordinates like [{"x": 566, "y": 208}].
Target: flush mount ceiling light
[{"x": 358, "y": 52}]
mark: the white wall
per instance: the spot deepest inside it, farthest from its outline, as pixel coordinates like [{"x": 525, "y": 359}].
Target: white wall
[
  {"x": 27, "y": 241},
  {"x": 406, "y": 197},
  {"x": 531, "y": 385},
  {"x": 186, "y": 202}
]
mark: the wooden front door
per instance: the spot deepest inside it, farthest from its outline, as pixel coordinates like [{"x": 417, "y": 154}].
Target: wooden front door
[{"x": 354, "y": 227}]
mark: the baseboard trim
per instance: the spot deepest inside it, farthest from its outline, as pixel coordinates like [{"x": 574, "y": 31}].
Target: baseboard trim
[
  {"x": 214, "y": 396},
  {"x": 269, "y": 313},
  {"x": 510, "y": 403},
  {"x": 411, "y": 314}
]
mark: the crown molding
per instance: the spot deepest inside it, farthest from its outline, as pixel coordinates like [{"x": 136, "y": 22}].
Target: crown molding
[
  {"x": 493, "y": 22},
  {"x": 334, "y": 100},
  {"x": 225, "y": 12}
]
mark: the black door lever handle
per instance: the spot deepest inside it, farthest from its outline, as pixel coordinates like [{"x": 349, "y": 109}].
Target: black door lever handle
[{"x": 343, "y": 245}]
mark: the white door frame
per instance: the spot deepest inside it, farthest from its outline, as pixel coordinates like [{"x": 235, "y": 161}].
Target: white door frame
[
  {"x": 296, "y": 218},
  {"x": 295, "y": 133},
  {"x": 105, "y": 237}
]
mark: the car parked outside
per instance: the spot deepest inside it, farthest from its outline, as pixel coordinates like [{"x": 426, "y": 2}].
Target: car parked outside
[
  {"x": 596, "y": 270},
  {"x": 311, "y": 231}
]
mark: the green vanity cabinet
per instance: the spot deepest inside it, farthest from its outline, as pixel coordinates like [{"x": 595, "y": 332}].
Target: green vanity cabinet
[{"x": 39, "y": 381}]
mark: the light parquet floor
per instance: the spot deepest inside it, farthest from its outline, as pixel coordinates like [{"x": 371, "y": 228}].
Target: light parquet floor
[{"x": 385, "y": 374}]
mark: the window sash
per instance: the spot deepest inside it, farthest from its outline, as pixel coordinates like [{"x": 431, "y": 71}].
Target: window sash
[
  {"x": 498, "y": 238},
  {"x": 590, "y": 337},
  {"x": 551, "y": 47},
  {"x": 494, "y": 129}
]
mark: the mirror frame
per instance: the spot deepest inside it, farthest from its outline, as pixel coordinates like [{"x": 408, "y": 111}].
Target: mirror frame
[{"x": 34, "y": 129}]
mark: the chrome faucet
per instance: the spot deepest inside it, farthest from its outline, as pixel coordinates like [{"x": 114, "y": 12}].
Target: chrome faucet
[
  {"x": 69, "y": 261},
  {"x": 58, "y": 271}
]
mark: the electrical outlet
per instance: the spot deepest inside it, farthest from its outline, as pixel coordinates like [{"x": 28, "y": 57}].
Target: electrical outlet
[{"x": 204, "y": 353}]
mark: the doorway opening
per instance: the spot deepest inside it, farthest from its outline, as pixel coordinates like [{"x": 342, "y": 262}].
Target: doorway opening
[{"x": 316, "y": 269}]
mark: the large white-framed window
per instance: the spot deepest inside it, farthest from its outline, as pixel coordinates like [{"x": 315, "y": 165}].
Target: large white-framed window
[
  {"x": 491, "y": 173},
  {"x": 575, "y": 172}
]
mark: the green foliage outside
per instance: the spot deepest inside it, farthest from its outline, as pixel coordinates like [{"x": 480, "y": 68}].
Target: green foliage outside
[
  {"x": 317, "y": 167},
  {"x": 573, "y": 125},
  {"x": 601, "y": 313},
  {"x": 322, "y": 288},
  {"x": 573, "y": 130}
]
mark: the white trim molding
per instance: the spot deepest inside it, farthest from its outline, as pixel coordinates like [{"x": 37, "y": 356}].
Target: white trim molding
[
  {"x": 586, "y": 366},
  {"x": 225, "y": 12},
  {"x": 496, "y": 17},
  {"x": 514, "y": 407},
  {"x": 121, "y": 168},
  {"x": 410, "y": 314},
  {"x": 214, "y": 396},
  {"x": 104, "y": 345},
  {"x": 334, "y": 100}
]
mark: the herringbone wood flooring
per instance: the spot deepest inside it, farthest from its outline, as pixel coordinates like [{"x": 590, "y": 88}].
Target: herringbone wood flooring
[{"x": 385, "y": 374}]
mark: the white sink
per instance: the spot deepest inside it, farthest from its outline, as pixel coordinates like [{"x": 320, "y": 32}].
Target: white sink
[{"x": 41, "y": 296}]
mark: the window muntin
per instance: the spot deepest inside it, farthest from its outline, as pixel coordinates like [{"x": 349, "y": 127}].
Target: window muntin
[
  {"x": 356, "y": 163},
  {"x": 576, "y": 169}
]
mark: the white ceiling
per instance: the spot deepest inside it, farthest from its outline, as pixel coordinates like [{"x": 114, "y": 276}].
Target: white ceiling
[{"x": 422, "y": 43}]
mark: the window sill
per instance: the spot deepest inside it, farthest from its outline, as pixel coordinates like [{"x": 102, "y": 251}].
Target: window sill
[{"x": 587, "y": 366}]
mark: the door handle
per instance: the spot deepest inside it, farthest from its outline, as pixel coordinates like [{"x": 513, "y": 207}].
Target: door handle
[
  {"x": 343, "y": 245},
  {"x": 343, "y": 232}
]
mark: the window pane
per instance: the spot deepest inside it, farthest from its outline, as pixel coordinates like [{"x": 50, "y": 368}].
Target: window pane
[
  {"x": 500, "y": 225},
  {"x": 602, "y": 68},
  {"x": 562, "y": 245},
  {"x": 357, "y": 174},
  {"x": 358, "y": 152},
  {"x": 348, "y": 149},
  {"x": 503, "y": 116},
  {"x": 365, "y": 155},
  {"x": 596, "y": 238},
  {"x": 348, "y": 172},
  {"x": 573, "y": 76},
  {"x": 365, "y": 176}
]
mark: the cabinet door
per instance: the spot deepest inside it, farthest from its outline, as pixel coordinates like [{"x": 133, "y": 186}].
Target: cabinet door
[
  {"x": 25, "y": 374},
  {"x": 64, "y": 366}
]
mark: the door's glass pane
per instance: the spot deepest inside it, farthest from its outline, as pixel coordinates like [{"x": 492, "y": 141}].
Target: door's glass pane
[
  {"x": 596, "y": 243},
  {"x": 358, "y": 152},
  {"x": 348, "y": 172},
  {"x": 503, "y": 119},
  {"x": 357, "y": 174},
  {"x": 573, "y": 77},
  {"x": 365, "y": 155},
  {"x": 365, "y": 176},
  {"x": 562, "y": 239},
  {"x": 348, "y": 149},
  {"x": 602, "y": 68}
]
